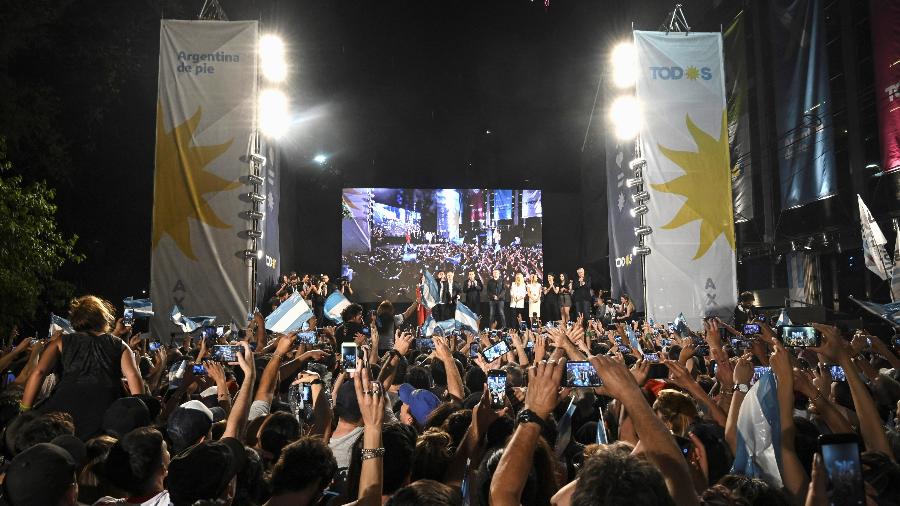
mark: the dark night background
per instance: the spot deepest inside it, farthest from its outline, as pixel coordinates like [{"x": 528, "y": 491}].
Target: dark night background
[{"x": 399, "y": 94}]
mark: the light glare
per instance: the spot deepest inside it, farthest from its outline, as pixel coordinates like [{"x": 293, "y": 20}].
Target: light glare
[
  {"x": 625, "y": 115},
  {"x": 273, "y": 113},
  {"x": 271, "y": 58},
  {"x": 624, "y": 65},
  {"x": 320, "y": 159}
]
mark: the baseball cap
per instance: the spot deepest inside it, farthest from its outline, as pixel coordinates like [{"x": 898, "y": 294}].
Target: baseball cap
[
  {"x": 38, "y": 475},
  {"x": 203, "y": 471},
  {"x": 124, "y": 415},
  {"x": 188, "y": 423},
  {"x": 421, "y": 402},
  {"x": 346, "y": 406}
]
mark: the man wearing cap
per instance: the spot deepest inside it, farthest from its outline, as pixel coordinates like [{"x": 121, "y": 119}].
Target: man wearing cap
[
  {"x": 189, "y": 424},
  {"x": 417, "y": 405},
  {"x": 43, "y": 475}
]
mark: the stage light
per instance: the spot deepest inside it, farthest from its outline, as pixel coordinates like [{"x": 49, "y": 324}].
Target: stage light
[
  {"x": 624, "y": 65},
  {"x": 642, "y": 231},
  {"x": 258, "y": 159},
  {"x": 640, "y": 197},
  {"x": 271, "y": 58},
  {"x": 249, "y": 254},
  {"x": 633, "y": 181},
  {"x": 273, "y": 113},
  {"x": 252, "y": 215},
  {"x": 637, "y": 165},
  {"x": 625, "y": 114},
  {"x": 809, "y": 243},
  {"x": 639, "y": 211},
  {"x": 253, "y": 234},
  {"x": 640, "y": 250},
  {"x": 254, "y": 179},
  {"x": 793, "y": 246},
  {"x": 256, "y": 197},
  {"x": 320, "y": 159}
]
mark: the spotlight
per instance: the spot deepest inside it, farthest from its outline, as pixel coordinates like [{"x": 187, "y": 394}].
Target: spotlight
[
  {"x": 320, "y": 159},
  {"x": 271, "y": 58},
  {"x": 642, "y": 231},
  {"x": 254, "y": 179},
  {"x": 639, "y": 211},
  {"x": 778, "y": 258},
  {"x": 273, "y": 113},
  {"x": 249, "y": 254},
  {"x": 634, "y": 181},
  {"x": 256, "y": 197},
  {"x": 640, "y": 250},
  {"x": 625, "y": 114},
  {"x": 809, "y": 243},
  {"x": 258, "y": 159},
  {"x": 253, "y": 234},
  {"x": 637, "y": 165},
  {"x": 640, "y": 197},
  {"x": 624, "y": 65},
  {"x": 252, "y": 215}
]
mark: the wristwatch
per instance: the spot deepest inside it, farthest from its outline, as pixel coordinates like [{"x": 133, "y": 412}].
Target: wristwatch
[
  {"x": 742, "y": 388},
  {"x": 529, "y": 416}
]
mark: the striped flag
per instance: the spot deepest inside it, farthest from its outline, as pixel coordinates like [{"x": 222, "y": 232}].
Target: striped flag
[
  {"x": 877, "y": 258},
  {"x": 58, "y": 323},
  {"x": 564, "y": 430},
  {"x": 290, "y": 315},
  {"x": 887, "y": 312},
  {"x": 441, "y": 328},
  {"x": 143, "y": 308},
  {"x": 429, "y": 290},
  {"x": 466, "y": 317},
  {"x": 633, "y": 339},
  {"x": 783, "y": 318},
  {"x": 189, "y": 323},
  {"x": 334, "y": 305},
  {"x": 758, "y": 453}
]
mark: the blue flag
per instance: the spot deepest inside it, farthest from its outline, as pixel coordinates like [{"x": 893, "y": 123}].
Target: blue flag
[
  {"x": 758, "y": 449},
  {"x": 441, "y": 328},
  {"x": 334, "y": 305},
  {"x": 429, "y": 290},
  {"x": 466, "y": 317},
  {"x": 143, "y": 308},
  {"x": 58, "y": 323},
  {"x": 564, "y": 430},
  {"x": 887, "y": 312},
  {"x": 635, "y": 344},
  {"x": 290, "y": 315},
  {"x": 189, "y": 323}
]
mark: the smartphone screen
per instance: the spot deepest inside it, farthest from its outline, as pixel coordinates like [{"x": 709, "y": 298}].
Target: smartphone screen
[
  {"x": 154, "y": 346},
  {"x": 225, "y": 352},
  {"x": 840, "y": 454},
  {"x": 658, "y": 371},
  {"x": 799, "y": 336},
  {"x": 220, "y": 331},
  {"x": 306, "y": 392},
  {"x": 758, "y": 371},
  {"x": 496, "y": 351},
  {"x": 348, "y": 356},
  {"x": 523, "y": 326},
  {"x": 128, "y": 317},
  {"x": 685, "y": 445},
  {"x": 306, "y": 338},
  {"x": 199, "y": 370},
  {"x": 496, "y": 384},
  {"x": 837, "y": 372},
  {"x": 751, "y": 328},
  {"x": 581, "y": 374},
  {"x": 425, "y": 344},
  {"x": 473, "y": 350},
  {"x": 208, "y": 333},
  {"x": 652, "y": 357}
]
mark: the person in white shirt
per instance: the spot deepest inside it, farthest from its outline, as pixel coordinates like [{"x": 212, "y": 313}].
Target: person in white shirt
[
  {"x": 517, "y": 294},
  {"x": 533, "y": 289}
]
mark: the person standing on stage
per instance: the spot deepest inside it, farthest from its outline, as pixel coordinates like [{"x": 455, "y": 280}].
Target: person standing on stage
[
  {"x": 518, "y": 292},
  {"x": 454, "y": 295},
  {"x": 533, "y": 290},
  {"x": 551, "y": 298},
  {"x": 443, "y": 298},
  {"x": 565, "y": 297},
  {"x": 472, "y": 288},
  {"x": 496, "y": 292},
  {"x": 581, "y": 294},
  {"x": 744, "y": 313}
]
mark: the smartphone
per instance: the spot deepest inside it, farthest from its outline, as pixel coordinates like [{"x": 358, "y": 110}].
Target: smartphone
[
  {"x": 496, "y": 384},
  {"x": 425, "y": 344},
  {"x": 751, "y": 329},
  {"x": 652, "y": 357},
  {"x": 723, "y": 333},
  {"x": 758, "y": 371},
  {"x": 349, "y": 353},
  {"x": 837, "y": 372},
  {"x": 208, "y": 333},
  {"x": 473, "y": 350},
  {"x": 799, "y": 336},
  {"x": 685, "y": 445},
  {"x": 225, "y": 352},
  {"x": 220, "y": 331},
  {"x": 624, "y": 349},
  {"x": 496, "y": 351},
  {"x": 840, "y": 454},
  {"x": 306, "y": 392},
  {"x": 738, "y": 343},
  {"x": 306, "y": 338},
  {"x": 702, "y": 351},
  {"x": 581, "y": 374},
  {"x": 671, "y": 326},
  {"x": 155, "y": 345},
  {"x": 128, "y": 317},
  {"x": 199, "y": 370},
  {"x": 658, "y": 371},
  {"x": 523, "y": 326}
]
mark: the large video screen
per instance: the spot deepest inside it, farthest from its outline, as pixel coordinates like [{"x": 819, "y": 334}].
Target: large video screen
[{"x": 389, "y": 235}]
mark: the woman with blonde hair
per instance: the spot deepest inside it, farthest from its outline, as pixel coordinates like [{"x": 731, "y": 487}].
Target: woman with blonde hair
[
  {"x": 676, "y": 409},
  {"x": 517, "y": 294},
  {"x": 533, "y": 288},
  {"x": 93, "y": 362}
]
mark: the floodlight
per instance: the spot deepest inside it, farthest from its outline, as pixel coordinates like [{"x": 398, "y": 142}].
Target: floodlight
[
  {"x": 639, "y": 211},
  {"x": 254, "y": 179},
  {"x": 624, "y": 65},
  {"x": 320, "y": 159},
  {"x": 273, "y": 113},
  {"x": 256, "y": 197},
  {"x": 640, "y": 250},
  {"x": 637, "y": 165},
  {"x": 258, "y": 159},
  {"x": 271, "y": 58},
  {"x": 249, "y": 254},
  {"x": 625, "y": 114},
  {"x": 642, "y": 231},
  {"x": 640, "y": 197},
  {"x": 633, "y": 181}
]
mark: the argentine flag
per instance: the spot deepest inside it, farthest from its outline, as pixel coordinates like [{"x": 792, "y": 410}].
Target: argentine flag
[
  {"x": 143, "y": 308},
  {"x": 758, "y": 452},
  {"x": 58, "y": 323},
  {"x": 887, "y": 312},
  {"x": 290, "y": 315},
  {"x": 441, "y": 328},
  {"x": 466, "y": 317},
  {"x": 334, "y": 305},
  {"x": 189, "y": 323},
  {"x": 564, "y": 430},
  {"x": 429, "y": 290},
  {"x": 635, "y": 344},
  {"x": 784, "y": 319}
]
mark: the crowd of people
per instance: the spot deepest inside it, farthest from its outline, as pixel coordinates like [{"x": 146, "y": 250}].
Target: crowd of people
[{"x": 582, "y": 413}]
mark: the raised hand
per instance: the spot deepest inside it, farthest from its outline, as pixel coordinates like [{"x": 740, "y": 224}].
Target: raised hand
[
  {"x": 540, "y": 348},
  {"x": 544, "y": 379},
  {"x": 245, "y": 360},
  {"x": 483, "y": 415},
  {"x": 369, "y": 397},
  {"x": 617, "y": 379},
  {"x": 403, "y": 342},
  {"x": 743, "y": 370},
  {"x": 833, "y": 345},
  {"x": 215, "y": 371},
  {"x": 441, "y": 348},
  {"x": 640, "y": 370}
]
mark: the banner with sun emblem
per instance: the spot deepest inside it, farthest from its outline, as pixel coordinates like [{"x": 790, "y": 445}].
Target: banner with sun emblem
[
  {"x": 681, "y": 89},
  {"x": 206, "y": 113}
]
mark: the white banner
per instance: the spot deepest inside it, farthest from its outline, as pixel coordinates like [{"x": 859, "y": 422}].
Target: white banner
[
  {"x": 681, "y": 89},
  {"x": 205, "y": 116}
]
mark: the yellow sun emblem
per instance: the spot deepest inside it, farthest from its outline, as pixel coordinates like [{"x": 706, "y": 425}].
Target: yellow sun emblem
[
  {"x": 181, "y": 182},
  {"x": 706, "y": 184},
  {"x": 692, "y": 73}
]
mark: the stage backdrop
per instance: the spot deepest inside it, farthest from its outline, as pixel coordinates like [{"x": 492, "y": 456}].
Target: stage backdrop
[
  {"x": 205, "y": 115},
  {"x": 624, "y": 268},
  {"x": 681, "y": 86},
  {"x": 885, "y": 19}
]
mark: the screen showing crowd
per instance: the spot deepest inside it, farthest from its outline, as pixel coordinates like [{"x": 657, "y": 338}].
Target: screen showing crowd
[{"x": 390, "y": 235}]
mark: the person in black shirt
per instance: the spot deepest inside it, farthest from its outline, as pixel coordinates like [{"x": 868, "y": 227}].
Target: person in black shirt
[
  {"x": 582, "y": 295},
  {"x": 472, "y": 287},
  {"x": 496, "y": 292},
  {"x": 744, "y": 313}
]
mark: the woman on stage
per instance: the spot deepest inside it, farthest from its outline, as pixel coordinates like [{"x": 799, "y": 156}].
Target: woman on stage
[
  {"x": 517, "y": 294},
  {"x": 565, "y": 296},
  {"x": 624, "y": 312},
  {"x": 551, "y": 298},
  {"x": 533, "y": 288}
]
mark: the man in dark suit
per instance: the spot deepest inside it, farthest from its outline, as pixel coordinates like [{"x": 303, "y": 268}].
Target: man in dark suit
[
  {"x": 472, "y": 288},
  {"x": 455, "y": 290},
  {"x": 496, "y": 292},
  {"x": 440, "y": 311},
  {"x": 582, "y": 295}
]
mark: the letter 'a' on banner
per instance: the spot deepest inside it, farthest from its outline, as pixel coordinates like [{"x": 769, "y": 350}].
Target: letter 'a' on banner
[
  {"x": 681, "y": 89},
  {"x": 206, "y": 114}
]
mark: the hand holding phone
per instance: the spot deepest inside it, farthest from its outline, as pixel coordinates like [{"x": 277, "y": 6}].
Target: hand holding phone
[
  {"x": 128, "y": 317},
  {"x": 226, "y": 353},
  {"x": 840, "y": 455},
  {"x": 581, "y": 374},
  {"x": 799, "y": 336},
  {"x": 349, "y": 353},
  {"x": 496, "y": 385},
  {"x": 496, "y": 351}
]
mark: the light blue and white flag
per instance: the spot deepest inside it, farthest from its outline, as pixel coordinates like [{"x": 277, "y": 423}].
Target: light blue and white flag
[
  {"x": 429, "y": 290},
  {"x": 175, "y": 314},
  {"x": 143, "y": 308},
  {"x": 758, "y": 453},
  {"x": 290, "y": 315},
  {"x": 783, "y": 318},
  {"x": 601, "y": 438},
  {"x": 334, "y": 305},
  {"x": 888, "y": 312},
  {"x": 466, "y": 318},
  {"x": 635, "y": 344},
  {"x": 58, "y": 323},
  {"x": 564, "y": 430},
  {"x": 441, "y": 328},
  {"x": 189, "y": 323},
  {"x": 455, "y": 260}
]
